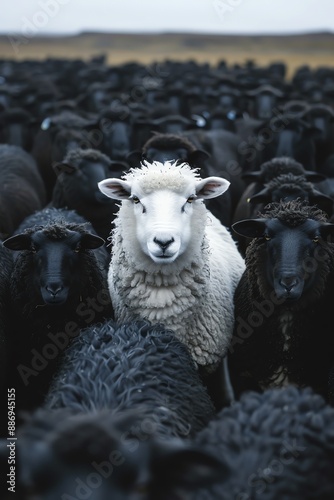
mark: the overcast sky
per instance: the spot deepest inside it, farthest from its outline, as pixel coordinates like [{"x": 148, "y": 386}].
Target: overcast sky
[{"x": 210, "y": 16}]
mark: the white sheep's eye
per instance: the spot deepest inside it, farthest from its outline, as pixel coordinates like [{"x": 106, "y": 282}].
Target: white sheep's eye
[
  {"x": 191, "y": 198},
  {"x": 135, "y": 199}
]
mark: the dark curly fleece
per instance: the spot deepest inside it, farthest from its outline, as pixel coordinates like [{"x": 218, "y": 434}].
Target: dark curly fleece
[
  {"x": 131, "y": 366},
  {"x": 275, "y": 445},
  {"x": 76, "y": 156},
  {"x": 290, "y": 180},
  {"x": 279, "y": 166}
]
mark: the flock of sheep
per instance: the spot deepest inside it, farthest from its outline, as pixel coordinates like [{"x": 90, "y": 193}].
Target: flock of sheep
[{"x": 165, "y": 296}]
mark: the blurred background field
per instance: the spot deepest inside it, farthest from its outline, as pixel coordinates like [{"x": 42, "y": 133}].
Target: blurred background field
[{"x": 316, "y": 49}]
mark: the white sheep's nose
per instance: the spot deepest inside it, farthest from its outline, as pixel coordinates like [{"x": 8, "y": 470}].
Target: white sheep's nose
[
  {"x": 164, "y": 248},
  {"x": 163, "y": 244}
]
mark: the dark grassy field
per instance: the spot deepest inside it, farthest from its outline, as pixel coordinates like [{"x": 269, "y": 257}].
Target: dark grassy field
[{"x": 312, "y": 49}]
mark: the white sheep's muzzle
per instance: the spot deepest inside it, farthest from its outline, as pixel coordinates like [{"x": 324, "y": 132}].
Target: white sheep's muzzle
[{"x": 164, "y": 248}]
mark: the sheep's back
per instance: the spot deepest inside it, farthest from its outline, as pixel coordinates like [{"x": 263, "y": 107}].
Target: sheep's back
[
  {"x": 133, "y": 365},
  {"x": 273, "y": 444}
]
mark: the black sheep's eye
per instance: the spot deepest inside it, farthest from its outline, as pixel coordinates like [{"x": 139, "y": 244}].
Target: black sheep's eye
[
  {"x": 267, "y": 237},
  {"x": 316, "y": 239},
  {"x": 135, "y": 199},
  {"x": 33, "y": 249},
  {"x": 77, "y": 249}
]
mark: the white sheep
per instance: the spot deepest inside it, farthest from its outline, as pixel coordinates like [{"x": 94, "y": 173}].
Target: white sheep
[{"x": 172, "y": 261}]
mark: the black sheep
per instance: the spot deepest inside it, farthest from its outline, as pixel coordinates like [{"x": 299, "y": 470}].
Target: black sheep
[
  {"x": 267, "y": 172},
  {"x": 58, "y": 285},
  {"x": 22, "y": 191},
  {"x": 283, "y": 301},
  {"x": 276, "y": 445},
  {"x": 117, "y": 388},
  {"x": 106, "y": 455},
  {"x": 129, "y": 366},
  {"x": 76, "y": 187},
  {"x": 163, "y": 147},
  {"x": 259, "y": 181},
  {"x": 47, "y": 145},
  {"x": 285, "y": 187},
  {"x": 268, "y": 446},
  {"x": 16, "y": 127},
  {"x": 115, "y": 123}
]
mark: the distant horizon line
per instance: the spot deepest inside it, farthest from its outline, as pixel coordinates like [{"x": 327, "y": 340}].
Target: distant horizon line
[{"x": 167, "y": 32}]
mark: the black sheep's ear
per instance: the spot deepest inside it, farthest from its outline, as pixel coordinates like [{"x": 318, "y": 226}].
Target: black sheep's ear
[
  {"x": 91, "y": 241},
  {"x": 18, "y": 242},
  {"x": 250, "y": 228},
  {"x": 187, "y": 469},
  {"x": 134, "y": 158},
  {"x": 47, "y": 123},
  {"x": 198, "y": 157},
  {"x": 117, "y": 167},
  {"x": 260, "y": 197},
  {"x": 252, "y": 176},
  {"x": 324, "y": 202},
  {"x": 327, "y": 231},
  {"x": 314, "y": 176},
  {"x": 66, "y": 168}
]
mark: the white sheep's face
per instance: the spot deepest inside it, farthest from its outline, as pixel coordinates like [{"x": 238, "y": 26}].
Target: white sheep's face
[
  {"x": 163, "y": 224},
  {"x": 163, "y": 213}
]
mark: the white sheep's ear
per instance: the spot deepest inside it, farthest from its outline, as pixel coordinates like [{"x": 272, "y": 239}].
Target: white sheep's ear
[
  {"x": 211, "y": 187},
  {"x": 115, "y": 188}
]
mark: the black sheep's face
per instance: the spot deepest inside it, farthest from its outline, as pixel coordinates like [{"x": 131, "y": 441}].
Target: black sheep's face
[
  {"x": 265, "y": 103},
  {"x": 163, "y": 155},
  {"x": 80, "y": 183},
  {"x": 55, "y": 261},
  {"x": 294, "y": 256},
  {"x": 321, "y": 119},
  {"x": 87, "y": 179},
  {"x": 17, "y": 133},
  {"x": 116, "y": 138}
]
